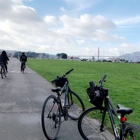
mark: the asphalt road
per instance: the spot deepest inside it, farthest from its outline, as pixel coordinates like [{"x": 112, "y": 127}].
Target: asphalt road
[{"x": 21, "y": 100}]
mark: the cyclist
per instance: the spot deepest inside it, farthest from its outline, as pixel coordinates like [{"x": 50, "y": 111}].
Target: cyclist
[
  {"x": 23, "y": 58},
  {"x": 4, "y": 58}
]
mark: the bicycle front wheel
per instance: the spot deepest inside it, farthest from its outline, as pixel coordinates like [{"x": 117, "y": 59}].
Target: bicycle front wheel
[
  {"x": 89, "y": 125},
  {"x": 76, "y": 106},
  {"x": 132, "y": 132},
  {"x": 51, "y": 118}
]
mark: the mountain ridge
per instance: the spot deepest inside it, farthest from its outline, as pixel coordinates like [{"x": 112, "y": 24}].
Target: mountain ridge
[{"x": 132, "y": 57}]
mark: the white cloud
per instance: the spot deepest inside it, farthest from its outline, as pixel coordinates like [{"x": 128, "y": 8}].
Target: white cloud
[
  {"x": 51, "y": 20},
  {"x": 62, "y": 9},
  {"x": 80, "y": 41},
  {"x": 87, "y": 26},
  {"x": 22, "y": 28},
  {"x": 129, "y": 21},
  {"x": 81, "y": 4},
  {"x": 18, "y": 1},
  {"x": 114, "y": 51},
  {"x": 123, "y": 48},
  {"x": 28, "y": 0}
]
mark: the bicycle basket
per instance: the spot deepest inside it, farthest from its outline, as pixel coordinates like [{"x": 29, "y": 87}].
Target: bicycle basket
[
  {"x": 96, "y": 95},
  {"x": 60, "y": 82}
]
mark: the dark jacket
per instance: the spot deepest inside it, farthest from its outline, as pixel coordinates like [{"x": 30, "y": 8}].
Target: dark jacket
[
  {"x": 23, "y": 57},
  {"x": 4, "y": 58}
]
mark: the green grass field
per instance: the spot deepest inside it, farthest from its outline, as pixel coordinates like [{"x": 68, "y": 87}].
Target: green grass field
[{"x": 123, "y": 79}]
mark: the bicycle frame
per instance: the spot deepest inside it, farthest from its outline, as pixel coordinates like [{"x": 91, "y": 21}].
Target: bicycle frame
[
  {"x": 67, "y": 97},
  {"x": 110, "y": 108}
]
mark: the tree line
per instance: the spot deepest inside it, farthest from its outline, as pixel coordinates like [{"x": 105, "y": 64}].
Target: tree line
[{"x": 41, "y": 55}]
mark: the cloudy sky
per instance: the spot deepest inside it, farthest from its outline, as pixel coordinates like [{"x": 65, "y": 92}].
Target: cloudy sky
[{"x": 74, "y": 27}]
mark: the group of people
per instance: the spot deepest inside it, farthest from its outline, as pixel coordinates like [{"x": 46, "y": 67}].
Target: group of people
[{"x": 4, "y": 59}]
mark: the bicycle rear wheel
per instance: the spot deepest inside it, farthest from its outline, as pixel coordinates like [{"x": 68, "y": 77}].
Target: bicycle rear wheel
[
  {"x": 51, "y": 118},
  {"x": 3, "y": 72},
  {"x": 23, "y": 67},
  {"x": 75, "y": 109},
  {"x": 89, "y": 125},
  {"x": 22, "y": 70},
  {"x": 132, "y": 132}
]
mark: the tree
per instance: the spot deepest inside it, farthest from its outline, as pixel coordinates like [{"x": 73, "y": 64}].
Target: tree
[
  {"x": 58, "y": 56},
  {"x": 64, "y": 56},
  {"x": 61, "y": 55}
]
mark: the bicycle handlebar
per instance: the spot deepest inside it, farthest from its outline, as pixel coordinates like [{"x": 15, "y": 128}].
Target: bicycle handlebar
[
  {"x": 102, "y": 79},
  {"x": 68, "y": 72},
  {"x": 53, "y": 81}
]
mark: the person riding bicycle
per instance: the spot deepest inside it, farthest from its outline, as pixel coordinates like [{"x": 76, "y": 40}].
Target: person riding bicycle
[
  {"x": 4, "y": 58},
  {"x": 23, "y": 58}
]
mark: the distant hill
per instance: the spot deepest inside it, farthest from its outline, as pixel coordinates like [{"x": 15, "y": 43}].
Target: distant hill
[{"x": 133, "y": 57}]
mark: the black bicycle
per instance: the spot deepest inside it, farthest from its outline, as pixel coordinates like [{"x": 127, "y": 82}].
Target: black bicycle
[
  {"x": 54, "y": 107},
  {"x": 2, "y": 70},
  {"x": 23, "y": 66},
  {"x": 92, "y": 120}
]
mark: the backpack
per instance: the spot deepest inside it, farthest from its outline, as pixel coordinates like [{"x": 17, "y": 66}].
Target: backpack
[{"x": 23, "y": 58}]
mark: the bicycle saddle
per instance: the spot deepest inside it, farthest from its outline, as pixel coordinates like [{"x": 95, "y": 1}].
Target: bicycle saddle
[
  {"x": 123, "y": 110},
  {"x": 56, "y": 89}
]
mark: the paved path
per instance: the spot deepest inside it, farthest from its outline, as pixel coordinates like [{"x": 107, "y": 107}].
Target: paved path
[{"x": 21, "y": 100}]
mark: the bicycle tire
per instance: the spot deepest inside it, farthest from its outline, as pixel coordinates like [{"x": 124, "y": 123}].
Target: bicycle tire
[
  {"x": 132, "y": 132},
  {"x": 89, "y": 125},
  {"x": 22, "y": 68},
  {"x": 2, "y": 72},
  {"x": 75, "y": 110},
  {"x": 51, "y": 118}
]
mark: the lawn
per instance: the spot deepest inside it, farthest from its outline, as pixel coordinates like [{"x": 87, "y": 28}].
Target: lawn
[{"x": 123, "y": 79}]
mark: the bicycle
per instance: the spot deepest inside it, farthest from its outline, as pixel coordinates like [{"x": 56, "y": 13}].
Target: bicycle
[
  {"x": 54, "y": 108},
  {"x": 3, "y": 70},
  {"x": 102, "y": 103},
  {"x": 23, "y": 66}
]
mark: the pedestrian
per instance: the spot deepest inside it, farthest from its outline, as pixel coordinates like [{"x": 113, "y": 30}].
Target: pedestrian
[{"x": 4, "y": 59}]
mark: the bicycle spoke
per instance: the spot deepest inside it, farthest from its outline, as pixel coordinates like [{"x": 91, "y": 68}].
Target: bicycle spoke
[
  {"x": 75, "y": 109},
  {"x": 51, "y": 119},
  {"x": 132, "y": 132},
  {"x": 89, "y": 125}
]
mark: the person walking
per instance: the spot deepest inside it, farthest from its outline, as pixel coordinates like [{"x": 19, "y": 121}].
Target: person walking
[{"x": 4, "y": 58}]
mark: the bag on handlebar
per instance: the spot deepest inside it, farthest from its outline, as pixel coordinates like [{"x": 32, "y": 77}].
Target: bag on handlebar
[
  {"x": 60, "y": 82},
  {"x": 95, "y": 94}
]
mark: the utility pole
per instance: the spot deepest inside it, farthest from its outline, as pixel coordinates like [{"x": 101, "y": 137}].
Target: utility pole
[
  {"x": 98, "y": 53},
  {"x": 18, "y": 51}
]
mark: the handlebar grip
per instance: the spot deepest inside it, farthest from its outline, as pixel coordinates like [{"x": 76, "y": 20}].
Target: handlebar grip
[
  {"x": 102, "y": 79},
  {"x": 69, "y": 71}
]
